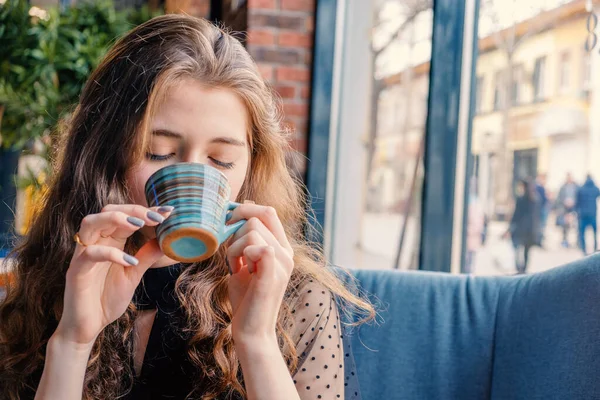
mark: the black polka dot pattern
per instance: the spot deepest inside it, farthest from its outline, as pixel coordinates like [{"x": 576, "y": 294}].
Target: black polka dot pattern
[{"x": 319, "y": 336}]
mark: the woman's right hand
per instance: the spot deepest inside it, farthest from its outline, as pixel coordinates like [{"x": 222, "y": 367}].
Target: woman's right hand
[{"x": 102, "y": 278}]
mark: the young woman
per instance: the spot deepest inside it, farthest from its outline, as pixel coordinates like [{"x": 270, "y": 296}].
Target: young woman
[
  {"x": 259, "y": 320},
  {"x": 524, "y": 224}
]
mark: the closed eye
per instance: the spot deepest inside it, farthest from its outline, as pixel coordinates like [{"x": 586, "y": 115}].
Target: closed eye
[
  {"x": 222, "y": 164},
  {"x": 158, "y": 157}
]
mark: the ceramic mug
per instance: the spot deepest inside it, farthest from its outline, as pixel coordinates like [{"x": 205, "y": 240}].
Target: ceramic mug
[{"x": 199, "y": 194}]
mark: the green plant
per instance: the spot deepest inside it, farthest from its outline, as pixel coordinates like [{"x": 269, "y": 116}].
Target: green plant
[
  {"x": 26, "y": 86},
  {"x": 45, "y": 62}
]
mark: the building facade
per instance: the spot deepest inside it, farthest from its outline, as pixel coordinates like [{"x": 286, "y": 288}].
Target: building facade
[
  {"x": 539, "y": 117},
  {"x": 534, "y": 121}
]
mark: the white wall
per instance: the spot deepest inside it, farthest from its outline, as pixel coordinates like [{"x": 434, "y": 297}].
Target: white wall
[{"x": 346, "y": 192}]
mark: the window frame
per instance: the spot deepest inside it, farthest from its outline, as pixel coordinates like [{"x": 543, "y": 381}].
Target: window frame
[
  {"x": 447, "y": 134},
  {"x": 538, "y": 79}
]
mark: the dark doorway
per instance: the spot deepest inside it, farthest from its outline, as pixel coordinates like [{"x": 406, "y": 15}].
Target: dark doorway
[{"x": 525, "y": 165}]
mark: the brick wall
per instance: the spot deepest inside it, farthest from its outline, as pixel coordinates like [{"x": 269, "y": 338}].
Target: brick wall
[
  {"x": 280, "y": 37},
  {"x": 197, "y": 8}
]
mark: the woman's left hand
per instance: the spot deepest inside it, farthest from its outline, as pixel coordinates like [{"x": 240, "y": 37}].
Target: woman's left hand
[{"x": 261, "y": 261}]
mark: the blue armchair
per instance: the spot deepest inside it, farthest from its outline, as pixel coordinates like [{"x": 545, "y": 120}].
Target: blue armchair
[{"x": 500, "y": 338}]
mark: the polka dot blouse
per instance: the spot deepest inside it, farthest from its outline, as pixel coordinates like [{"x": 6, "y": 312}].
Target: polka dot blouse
[{"x": 326, "y": 367}]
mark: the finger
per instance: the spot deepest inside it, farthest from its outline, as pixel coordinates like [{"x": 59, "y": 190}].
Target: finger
[
  {"x": 267, "y": 215},
  {"x": 119, "y": 222},
  {"x": 147, "y": 255},
  {"x": 235, "y": 252},
  {"x": 263, "y": 255},
  {"x": 254, "y": 224},
  {"x": 94, "y": 255},
  {"x": 111, "y": 223},
  {"x": 153, "y": 216}
]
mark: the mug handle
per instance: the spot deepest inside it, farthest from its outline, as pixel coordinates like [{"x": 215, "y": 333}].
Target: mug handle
[{"x": 229, "y": 230}]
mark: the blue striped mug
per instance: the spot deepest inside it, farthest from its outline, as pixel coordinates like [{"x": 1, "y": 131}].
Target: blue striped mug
[{"x": 199, "y": 194}]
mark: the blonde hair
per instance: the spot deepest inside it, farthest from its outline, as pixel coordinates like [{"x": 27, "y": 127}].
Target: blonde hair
[{"x": 108, "y": 128}]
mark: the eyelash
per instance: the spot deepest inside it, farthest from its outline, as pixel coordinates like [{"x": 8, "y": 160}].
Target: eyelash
[
  {"x": 222, "y": 164},
  {"x": 156, "y": 157}
]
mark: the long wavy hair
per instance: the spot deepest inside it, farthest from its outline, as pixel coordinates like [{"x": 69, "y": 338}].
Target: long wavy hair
[{"x": 105, "y": 137}]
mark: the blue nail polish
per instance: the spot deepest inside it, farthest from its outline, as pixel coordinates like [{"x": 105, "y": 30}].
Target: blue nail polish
[
  {"x": 228, "y": 217},
  {"x": 165, "y": 209},
  {"x": 154, "y": 216},
  {"x": 131, "y": 260},
  {"x": 136, "y": 221}
]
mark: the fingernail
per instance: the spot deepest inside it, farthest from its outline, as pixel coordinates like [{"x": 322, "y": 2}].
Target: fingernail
[
  {"x": 165, "y": 209},
  {"x": 228, "y": 217},
  {"x": 154, "y": 216},
  {"x": 131, "y": 260},
  {"x": 136, "y": 221},
  {"x": 229, "y": 267}
]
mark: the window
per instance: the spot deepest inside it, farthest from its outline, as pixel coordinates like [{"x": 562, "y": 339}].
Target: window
[
  {"x": 586, "y": 72},
  {"x": 378, "y": 158},
  {"x": 479, "y": 95},
  {"x": 517, "y": 79},
  {"x": 498, "y": 91},
  {"x": 564, "y": 71},
  {"x": 539, "y": 77},
  {"x": 532, "y": 142}
]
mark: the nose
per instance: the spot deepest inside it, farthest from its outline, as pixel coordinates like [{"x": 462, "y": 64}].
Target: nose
[{"x": 194, "y": 156}]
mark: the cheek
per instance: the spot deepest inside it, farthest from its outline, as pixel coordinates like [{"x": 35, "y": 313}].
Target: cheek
[
  {"x": 236, "y": 179},
  {"x": 136, "y": 180}
]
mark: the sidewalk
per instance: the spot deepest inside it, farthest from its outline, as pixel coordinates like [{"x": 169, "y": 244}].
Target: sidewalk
[
  {"x": 495, "y": 258},
  {"x": 380, "y": 240}
]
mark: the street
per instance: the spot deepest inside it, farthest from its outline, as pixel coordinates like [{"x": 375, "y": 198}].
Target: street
[
  {"x": 496, "y": 257},
  {"x": 380, "y": 236}
]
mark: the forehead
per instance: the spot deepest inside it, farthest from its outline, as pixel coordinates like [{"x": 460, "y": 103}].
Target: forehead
[{"x": 194, "y": 110}]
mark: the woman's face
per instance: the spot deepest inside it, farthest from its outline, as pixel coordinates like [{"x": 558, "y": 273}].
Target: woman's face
[{"x": 196, "y": 124}]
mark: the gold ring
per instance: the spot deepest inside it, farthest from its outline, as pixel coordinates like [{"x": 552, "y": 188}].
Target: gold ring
[
  {"x": 78, "y": 240},
  {"x": 105, "y": 237}
]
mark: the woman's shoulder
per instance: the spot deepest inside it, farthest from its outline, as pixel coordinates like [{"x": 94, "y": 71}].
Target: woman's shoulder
[
  {"x": 312, "y": 293},
  {"x": 314, "y": 307}
]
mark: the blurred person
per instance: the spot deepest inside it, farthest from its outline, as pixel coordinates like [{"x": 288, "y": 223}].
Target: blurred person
[
  {"x": 587, "y": 211},
  {"x": 540, "y": 187},
  {"x": 475, "y": 231},
  {"x": 77, "y": 323},
  {"x": 565, "y": 207},
  {"x": 524, "y": 223}
]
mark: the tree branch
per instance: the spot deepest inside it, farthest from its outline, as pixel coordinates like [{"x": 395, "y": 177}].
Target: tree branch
[
  {"x": 487, "y": 8},
  {"x": 509, "y": 39},
  {"x": 417, "y": 8},
  {"x": 547, "y": 21}
]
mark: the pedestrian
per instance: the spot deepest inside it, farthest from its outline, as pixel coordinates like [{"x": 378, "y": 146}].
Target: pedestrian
[
  {"x": 587, "y": 210},
  {"x": 565, "y": 207},
  {"x": 524, "y": 224},
  {"x": 475, "y": 227},
  {"x": 540, "y": 187}
]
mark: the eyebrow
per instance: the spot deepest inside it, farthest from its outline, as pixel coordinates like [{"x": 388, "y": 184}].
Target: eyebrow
[
  {"x": 221, "y": 139},
  {"x": 166, "y": 133},
  {"x": 228, "y": 140}
]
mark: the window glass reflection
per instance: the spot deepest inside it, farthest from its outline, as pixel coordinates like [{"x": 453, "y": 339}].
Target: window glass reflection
[{"x": 534, "y": 138}]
